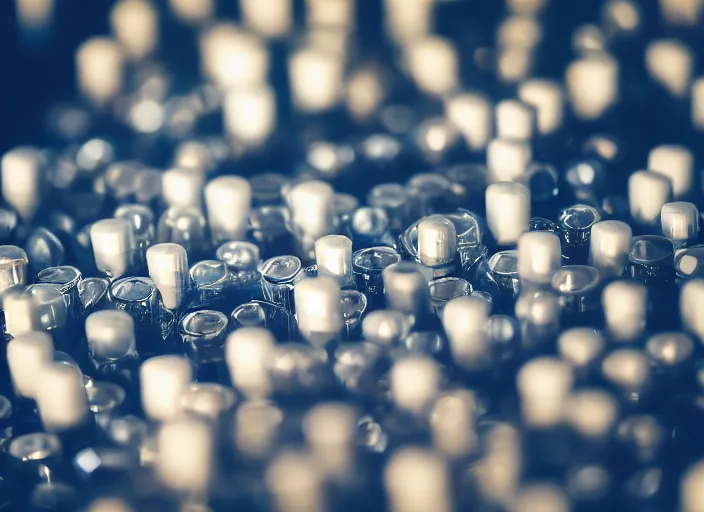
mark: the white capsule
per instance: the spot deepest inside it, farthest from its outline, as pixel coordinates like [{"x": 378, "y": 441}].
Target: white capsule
[
  {"x": 525, "y": 6},
  {"x": 680, "y": 221},
  {"x": 507, "y": 211},
  {"x": 473, "y": 115},
  {"x": 514, "y": 63},
  {"x": 592, "y": 413},
  {"x": 542, "y": 497},
  {"x": 20, "y": 313},
  {"x": 539, "y": 256},
  {"x": 330, "y": 13},
  {"x": 592, "y": 85},
  {"x": 433, "y": 64},
  {"x": 100, "y": 69},
  {"x": 248, "y": 352},
  {"x": 691, "y": 304},
  {"x": 27, "y": 355},
  {"x": 519, "y": 31},
  {"x": 168, "y": 268},
  {"x": 333, "y": 257},
  {"x": 670, "y": 63},
  {"x": 499, "y": 471},
  {"x": 163, "y": 381},
  {"x": 697, "y": 102},
  {"x": 417, "y": 480},
  {"x": 609, "y": 247},
  {"x": 193, "y": 12},
  {"x": 331, "y": 433},
  {"x": 588, "y": 39},
  {"x": 207, "y": 400},
  {"x": 406, "y": 287},
  {"x": 408, "y": 20},
  {"x": 548, "y": 100},
  {"x": 452, "y": 422},
  {"x": 182, "y": 187},
  {"x": 625, "y": 308},
  {"x": 113, "y": 246},
  {"x": 415, "y": 382},
  {"x": 365, "y": 93},
  {"x": 629, "y": 369},
  {"x": 228, "y": 200},
  {"x": 580, "y": 346},
  {"x": 318, "y": 309},
  {"x": 316, "y": 76},
  {"x": 386, "y": 327},
  {"x": 23, "y": 180},
  {"x": 13, "y": 267},
  {"x": 296, "y": 483},
  {"x": 231, "y": 57},
  {"x": 647, "y": 193},
  {"x": 50, "y": 307},
  {"x": 185, "y": 453},
  {"x": 250, "y": 114},
  {"x": 544, "y": 385},
  {"x": 257, "y": 424},
  {"x": 515, "y": 120},
  {"x": 34, "y": 14},
  {"x": 691, "y": 485},
  {"x": 437, "y": 241},
  {"x": 135, "y": 24},
  {"x": 272, "y": 19},
  {"x": 109, "y": 505},
  {"x": 621, "y": 17},
  {"x": 669, "y": 349},
  {"x": 507, "y": 159},
  {"x": 332, "y": 40},
  {"x": 676, "y": 163},
  {"x": 464, "y": 320},
  {"x": 61, "y": 397},
  {"x": 312, "y": 208},
  {"x": 110, "y": 335},
  {"x": 681, "y": 12}
]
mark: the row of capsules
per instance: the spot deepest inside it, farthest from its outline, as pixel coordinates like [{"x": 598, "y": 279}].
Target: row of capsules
[{"x": 553, "y": 452}]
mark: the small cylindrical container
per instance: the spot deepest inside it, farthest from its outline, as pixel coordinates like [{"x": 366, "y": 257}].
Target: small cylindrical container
[
  {"x": 575, "y": 225},
  {"x": 138, "y": 297},
  {"x": 212, "y": 285},
  {"x": 203, "y": 334},
  {"x": 368, "y": 266},
  {"x": 279, "y": 277},
  {"x": 652, "y": 259},
  {"x": 578, "y": 289}
]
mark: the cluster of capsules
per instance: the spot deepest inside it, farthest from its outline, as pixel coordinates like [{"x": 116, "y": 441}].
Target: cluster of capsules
[{"x": 341, "y": 259}]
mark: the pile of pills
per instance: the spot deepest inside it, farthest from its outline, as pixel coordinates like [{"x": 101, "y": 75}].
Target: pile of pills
[{"x": 410, "y": 255}]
